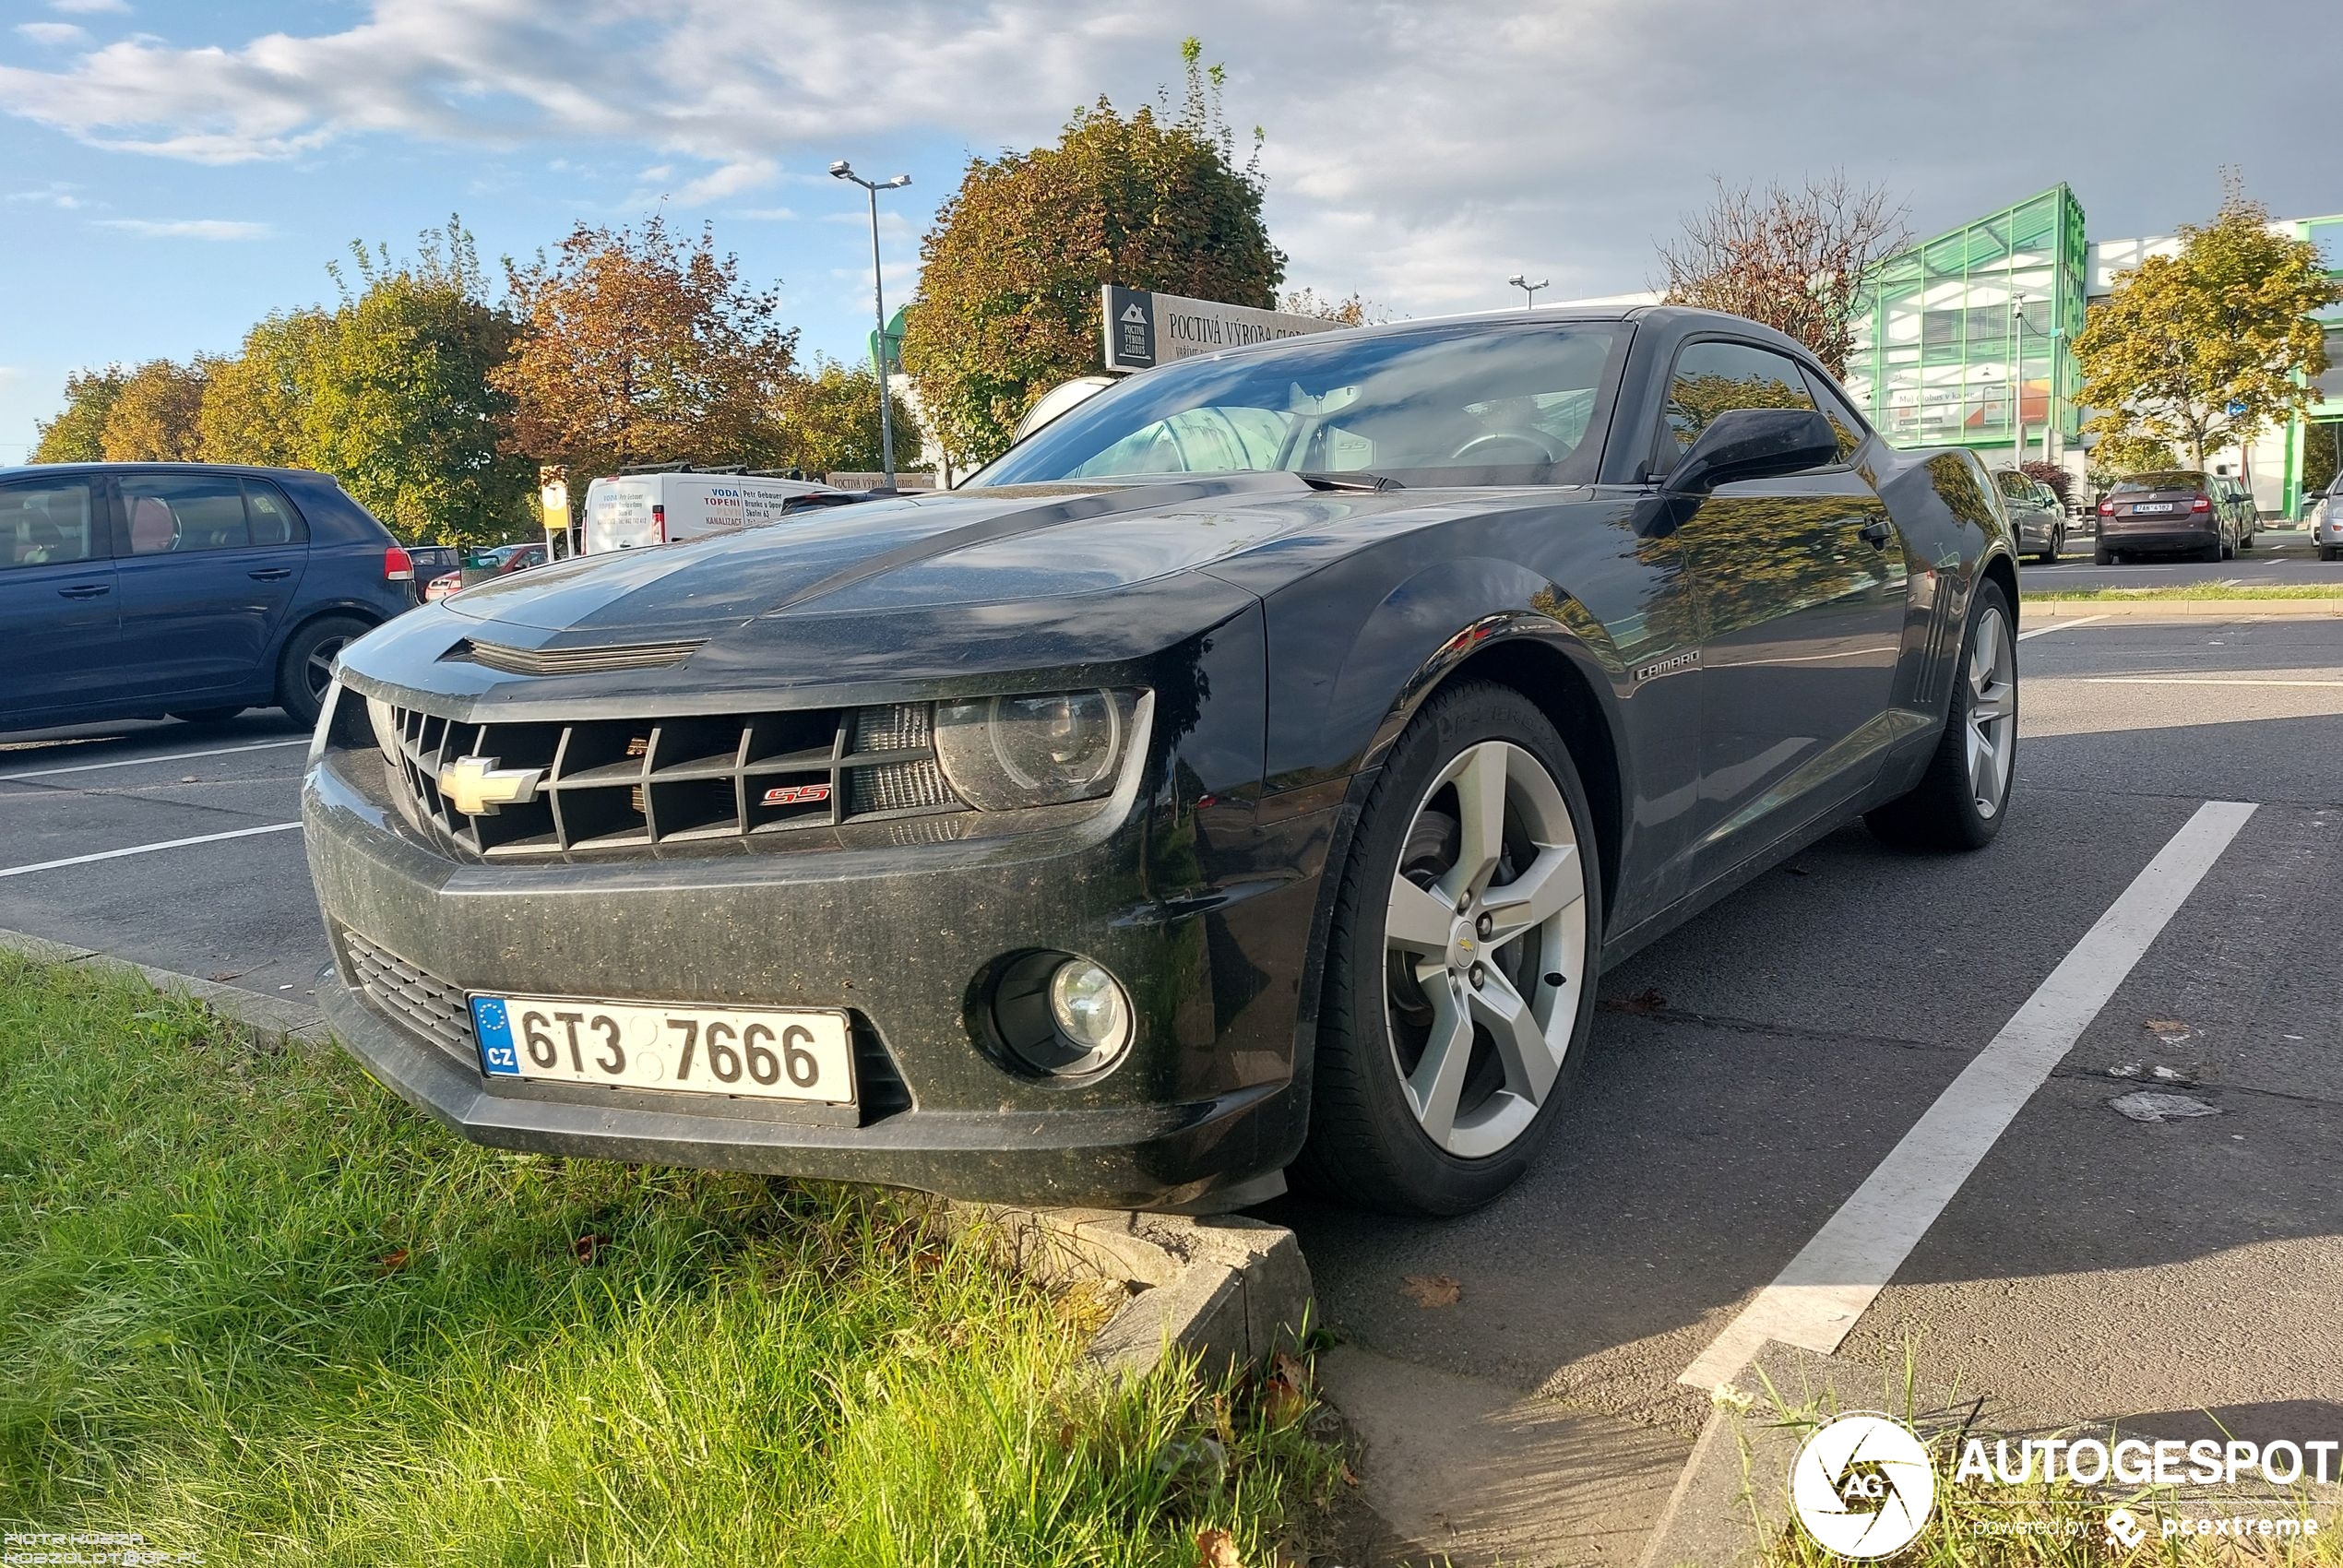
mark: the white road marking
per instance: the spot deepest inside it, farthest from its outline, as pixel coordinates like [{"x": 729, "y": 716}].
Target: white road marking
[
  {"x": 2188, "y": 681},
  {"x": 159, "y": 757},
  {"x": 2062, "y": 626},
  {"x": 146, "y": 849},
  {"x": 1816, "y": 1299}
]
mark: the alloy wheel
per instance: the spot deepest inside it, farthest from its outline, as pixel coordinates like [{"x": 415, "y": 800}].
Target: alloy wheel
[
  {"x": 1486, "y": 944},
  {"x": 318, "y": 672},
  {"x": 1992, "y": 710}
]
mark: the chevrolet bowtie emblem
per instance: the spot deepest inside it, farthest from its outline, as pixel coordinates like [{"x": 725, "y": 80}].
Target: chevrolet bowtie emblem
[{"x": 476, "y": 786}]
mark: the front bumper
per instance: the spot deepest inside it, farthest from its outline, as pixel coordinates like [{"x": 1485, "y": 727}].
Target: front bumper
[{"x": 1203, "y": 1111}]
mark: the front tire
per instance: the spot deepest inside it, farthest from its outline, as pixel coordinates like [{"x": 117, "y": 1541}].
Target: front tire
[
  {"x": 1461, "y": 964},
  {"x": 305, "y": 668},
  {"x": 1961, "y": 800}
]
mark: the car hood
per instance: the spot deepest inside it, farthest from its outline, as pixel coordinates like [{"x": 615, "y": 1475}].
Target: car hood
[{"x": 909, "y": 554}]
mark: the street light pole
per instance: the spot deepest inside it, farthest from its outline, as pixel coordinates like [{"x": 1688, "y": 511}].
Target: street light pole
[
  {"x": 844, "y": 170},
  {"x": 1521, "y": 281}
]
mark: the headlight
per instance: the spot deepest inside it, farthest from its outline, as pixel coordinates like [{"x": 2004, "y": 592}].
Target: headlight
[{"x": 1003, "y": 753}]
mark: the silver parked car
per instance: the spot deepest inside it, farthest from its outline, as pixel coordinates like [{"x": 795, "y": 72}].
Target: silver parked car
[
  {"x": 2325, "y": 522},
  {"x": 2035, "y": 512}
]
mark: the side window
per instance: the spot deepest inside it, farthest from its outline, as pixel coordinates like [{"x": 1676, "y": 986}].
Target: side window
[
  {"x": 1712, "y": 377},
  {"x": 179, "y": 514},
  {"x": 48, "y": 523},
  {"x": 1845, "y": 424},
  {"x": 2015, "y": 485},
  {"x": 271, "y": 516}
]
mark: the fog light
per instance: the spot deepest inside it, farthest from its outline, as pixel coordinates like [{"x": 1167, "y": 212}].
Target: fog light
[
  {"x": 1056, "y": 1014},
  {"x": 1091, "y": 1007}
]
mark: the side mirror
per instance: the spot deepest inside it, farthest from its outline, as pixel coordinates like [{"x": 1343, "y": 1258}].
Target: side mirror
[{"x": 1753, "y": 444}]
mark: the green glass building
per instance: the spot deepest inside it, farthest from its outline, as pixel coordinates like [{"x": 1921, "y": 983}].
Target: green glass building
[{"x": 1966, "y": 339}]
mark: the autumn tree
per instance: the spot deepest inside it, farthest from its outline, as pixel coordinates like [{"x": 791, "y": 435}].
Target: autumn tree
[
  {"x": 2205, "y": 348},
  {"x": 1353, "y": 310},
  {"x": 1799, "y": 260},
  {"x": 829, "y": 420},
  {"x": 156, "y": 416},
  {"x": 256, "y": 404},
  {"x": 1008, "y": 304},
  {"x": 79, "y": 433},
  {"x": 636, "y": 346}
]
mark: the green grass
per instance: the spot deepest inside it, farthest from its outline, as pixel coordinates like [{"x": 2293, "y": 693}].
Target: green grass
[
  {"x": 251, "y": 1306},
  {"x": 2189, "y": 590}
]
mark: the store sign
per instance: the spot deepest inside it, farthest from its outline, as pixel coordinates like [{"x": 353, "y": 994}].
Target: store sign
[{"x": 1145, "y": 329}]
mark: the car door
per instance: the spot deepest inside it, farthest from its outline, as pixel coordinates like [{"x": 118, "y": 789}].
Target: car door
[
  {"x": 60, "y": 613},
  {"x": 1802, "y": 581},
  {"x": 209, "y": 562}
]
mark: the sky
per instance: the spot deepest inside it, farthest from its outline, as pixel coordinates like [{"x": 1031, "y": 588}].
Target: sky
[{"x": 171, "y": 172}]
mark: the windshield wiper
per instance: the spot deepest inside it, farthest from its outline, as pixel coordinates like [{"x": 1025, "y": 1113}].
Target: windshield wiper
[{"x": 1353, "y": 479}]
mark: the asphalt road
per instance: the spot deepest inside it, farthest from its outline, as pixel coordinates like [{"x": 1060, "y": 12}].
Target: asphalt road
[
  {"x": 1752, "y": 1069},
  {"x": 1747, "y": 1075}
]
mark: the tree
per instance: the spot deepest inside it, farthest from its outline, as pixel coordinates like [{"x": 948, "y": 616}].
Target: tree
[
  {"x": 1798, "y": 260},
  {"x": 156, "y": 415},
  {"x": 1354, "y": 311},
  {"x": 1008, "y": 295},
  {"x": 256, "y": 404},
  {"x": 829, "y": 420},
  {"x": 635, "y": 348},
  {"x": 2052, "y": 474},
  {"x": 2204, "y": 350},
  {"x": 79, "y": 433}
]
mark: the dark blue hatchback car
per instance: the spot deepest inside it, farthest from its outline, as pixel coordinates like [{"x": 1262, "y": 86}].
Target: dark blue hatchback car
[{"x": 194, "y": 589}]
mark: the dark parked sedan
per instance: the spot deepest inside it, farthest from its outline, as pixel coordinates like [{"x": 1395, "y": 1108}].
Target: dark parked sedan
[
  {"x": 140, "y": 590},
  {"x": 1256, "y": 768},
  {"x": 2210, "y": 516}
]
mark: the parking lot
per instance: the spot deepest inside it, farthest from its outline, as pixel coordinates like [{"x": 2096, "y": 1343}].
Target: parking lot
[{"x": 1750, "y": 1072}]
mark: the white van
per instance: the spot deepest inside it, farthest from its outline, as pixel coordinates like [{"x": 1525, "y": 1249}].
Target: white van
[{"x": 632, "y": 511}]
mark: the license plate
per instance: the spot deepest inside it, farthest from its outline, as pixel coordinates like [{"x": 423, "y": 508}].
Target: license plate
[
  {"x": 768, "y": 1053},
  {"x": 2154, "y": 506}
]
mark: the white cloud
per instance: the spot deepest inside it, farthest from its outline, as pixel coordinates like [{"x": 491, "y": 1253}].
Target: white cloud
[
  {"x": 92, "y": 7},
  {"x": 189, "y": 228},
  {"x": 1416, "y": 153},
  {"x": 52, "y": 35},
  {"x": 56, "y": 193}
]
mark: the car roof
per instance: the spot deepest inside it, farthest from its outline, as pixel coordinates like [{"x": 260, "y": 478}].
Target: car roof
[
  {"x": 1688, "y": 317},
  {"x": 255, "y": 468}
]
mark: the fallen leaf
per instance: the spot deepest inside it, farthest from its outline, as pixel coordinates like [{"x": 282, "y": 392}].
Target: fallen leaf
[
  {"x": 1215, "y": 1548},
  {"x": 1350, "y": 1476},
  {"x": 588, "y": 1246},
  {"x": 1430, "y": 1289},
  {"x": 1648, "y": 1000},
  {"x": 2172, "y": 1032},
  {"x": 1285, "y": 1398},
  {"x": 391, "y": 1261}
]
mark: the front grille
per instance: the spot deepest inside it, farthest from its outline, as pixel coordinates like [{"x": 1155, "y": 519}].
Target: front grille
[
  {"x": 425, "y": 1003},
  {"x": 572, "y": 661},
  {"x": 613, "y": 785}
]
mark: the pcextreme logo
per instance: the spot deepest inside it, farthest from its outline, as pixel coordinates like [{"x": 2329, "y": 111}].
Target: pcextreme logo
[{"x": 1861, "y": 1485}]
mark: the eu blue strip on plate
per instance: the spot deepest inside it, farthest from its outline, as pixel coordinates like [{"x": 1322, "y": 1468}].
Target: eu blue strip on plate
[{"x": 494, "y": 1027}]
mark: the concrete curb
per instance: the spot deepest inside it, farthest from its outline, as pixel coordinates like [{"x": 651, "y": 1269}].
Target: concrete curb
[
  {"x": 1226, "y": 1288},
  {"x": 2037, "y": 610}
]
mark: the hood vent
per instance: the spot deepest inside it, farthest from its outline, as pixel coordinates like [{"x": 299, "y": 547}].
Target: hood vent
[{"x": 572, "y": 661}]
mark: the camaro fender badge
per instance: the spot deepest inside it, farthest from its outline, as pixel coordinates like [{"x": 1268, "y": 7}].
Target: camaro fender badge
[
  {"x": 796, "y": 794},
  {"x": 476, "y": 785},
  {"x": 1684, "y": 661}
]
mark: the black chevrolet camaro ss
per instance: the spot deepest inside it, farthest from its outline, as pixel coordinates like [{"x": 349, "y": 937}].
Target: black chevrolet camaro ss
[{"x": 1254, "y": 768}]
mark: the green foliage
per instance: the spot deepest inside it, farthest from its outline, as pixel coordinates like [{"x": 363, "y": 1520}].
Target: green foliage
[
  {"x": 829, "y": 421},
  {"x": 79, "y": 433},
  {"x": 257, "y": 1309},
  {"x": 388, "y": 392},
  {"x": 2116, "y": 456},
  {"x": 2227, "y": 323},
  {"x": 638, "y": 348},
  {"x": 1008, "y": 297}
]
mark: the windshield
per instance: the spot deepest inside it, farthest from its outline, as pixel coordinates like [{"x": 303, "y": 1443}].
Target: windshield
[
  {"x": 2177, "y": 480},
  {"x": 1466, "y": 405}
]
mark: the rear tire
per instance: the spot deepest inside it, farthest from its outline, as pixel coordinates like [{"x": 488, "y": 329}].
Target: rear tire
[
  {"x": 2057, "y": 542},
  {"x": 2103, "y": 556},
  {"x": 2330, "y": 551},
  {"x": 305, "y": 668},
  {"x": 1961, "y": 800},
  {"x": 1445, "y": 1045}
]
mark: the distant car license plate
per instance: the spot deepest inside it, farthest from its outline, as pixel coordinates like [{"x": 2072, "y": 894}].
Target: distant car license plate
[
  {"x": 767, "y": 1052},
  {"x": 2155, "y": 506}
]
